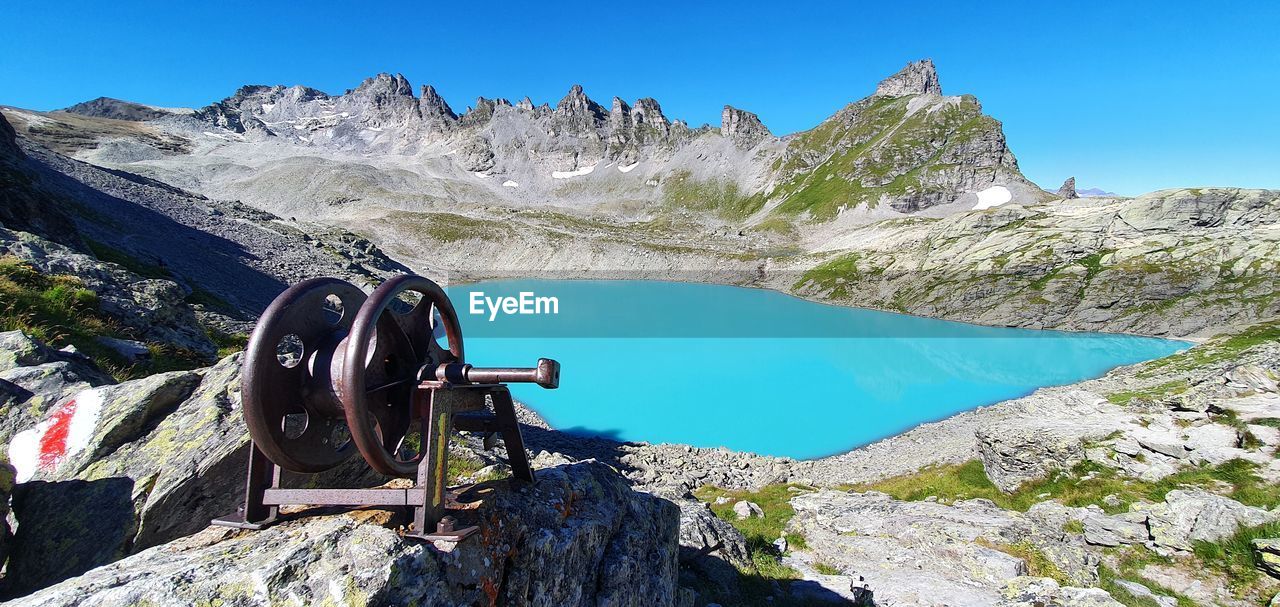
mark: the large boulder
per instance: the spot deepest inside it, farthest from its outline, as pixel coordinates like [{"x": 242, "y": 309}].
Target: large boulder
[
  {"x": 35, "y": 378},
  {"x": 164, "y": 454},
  {"x": 909, "y": 552},
  {"x": 1048, "y": 437},
  {"x": 1187, "y": 516},
  {"x": 1044, "y": 592},
  {"x": 580, "y": 536},
  {"x": 931, "y": 553}
]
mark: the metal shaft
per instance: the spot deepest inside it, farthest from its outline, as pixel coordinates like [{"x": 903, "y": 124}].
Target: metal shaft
[{"x": 545, "y": 374}]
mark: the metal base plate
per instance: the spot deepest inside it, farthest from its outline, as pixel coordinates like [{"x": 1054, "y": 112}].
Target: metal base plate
[
  {"x": 456, "y": 535},
  {"x": 237, "y": 521}
]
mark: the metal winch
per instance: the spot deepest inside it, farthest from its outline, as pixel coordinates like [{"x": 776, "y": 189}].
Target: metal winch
[{"x": 330, "y": 371}]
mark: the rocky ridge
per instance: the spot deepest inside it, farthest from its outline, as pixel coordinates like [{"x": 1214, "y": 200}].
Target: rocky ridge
[{"x": 528, "y": 146}]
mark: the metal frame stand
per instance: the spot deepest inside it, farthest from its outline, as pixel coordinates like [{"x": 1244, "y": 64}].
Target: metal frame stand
[{"x": 442, "y": 407}]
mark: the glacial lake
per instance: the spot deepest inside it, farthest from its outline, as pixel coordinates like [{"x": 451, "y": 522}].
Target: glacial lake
[{"x": 761, "y": 371}]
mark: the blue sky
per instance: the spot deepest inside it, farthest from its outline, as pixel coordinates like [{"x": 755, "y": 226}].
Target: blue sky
[{"x": 1127, "y": 96}]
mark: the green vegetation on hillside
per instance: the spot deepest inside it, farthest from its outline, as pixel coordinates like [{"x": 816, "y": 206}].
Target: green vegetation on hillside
[
  {"x": 879, "y": 151},
  {"x": 1217, "y": 350},
  {"x": 451, "y": 227},
  {"x": 1234, "y": 556},
  {"x": 682, "y": 192},
  {"x": 1085, "y": 484},
  {"x": 760, "y": 533},
  {"x": 59, "y": 310},
  {"x": 1153, "y": 393}
]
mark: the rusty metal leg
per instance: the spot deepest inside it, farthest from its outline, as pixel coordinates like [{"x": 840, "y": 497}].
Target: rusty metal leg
[
  {"x": 254, "y": 514},
  {"x": 505, "y": 411},
  {"x": 429, "y": 521}
]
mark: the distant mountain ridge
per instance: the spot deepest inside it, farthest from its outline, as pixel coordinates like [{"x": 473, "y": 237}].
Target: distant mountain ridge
[{"x": 907, "y": 147}]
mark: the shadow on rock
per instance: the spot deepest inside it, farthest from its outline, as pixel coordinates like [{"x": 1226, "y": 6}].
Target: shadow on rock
[{"x": 66, "y": 528}]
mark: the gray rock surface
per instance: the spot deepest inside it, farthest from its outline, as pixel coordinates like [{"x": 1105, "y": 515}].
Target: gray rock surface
[
  {"x": 578, "y": 537},
  {"x": 743, "y": 127},
  {"x": 926, "y": 553},
  {"x": 1068, "y": 189},
  {"x": 6, "y": 489},
  {"x": 35, "y": 378},
  {"x": 154, "y": 309},
  {"x": 1267, "y": 554},
  {"x": 1017, "y": 450},
  {"x": 1044, "y": 592},
  {"x": 106, "y": 107},
  {"x": 1187, "y": 516},
  {"x": 918, "y": 78}
]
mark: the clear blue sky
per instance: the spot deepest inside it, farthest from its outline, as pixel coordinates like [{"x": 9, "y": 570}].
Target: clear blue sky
[{"x": 1128, "y": 96}]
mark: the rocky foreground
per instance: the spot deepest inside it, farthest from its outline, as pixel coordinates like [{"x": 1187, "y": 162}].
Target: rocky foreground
[{"x": 1140, "y": 484}]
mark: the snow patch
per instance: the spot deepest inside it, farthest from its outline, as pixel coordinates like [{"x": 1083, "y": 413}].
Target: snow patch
[
  {"x": 574, "y": 173},
  {"x": 450, "y": 153},
  {"x": 628, "y": 168},
  {"x": 66, "y": 432},
  {"x": 510, "y": 184},
  {"x": 480, "y": 175},
  {"x": 267, "y": 107},
  {"x": 993, "y": 196},
  {"x": 376, "y": 129}
]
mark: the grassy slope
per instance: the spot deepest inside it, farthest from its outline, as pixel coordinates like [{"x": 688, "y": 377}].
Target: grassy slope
[{"x": 60, "y": 311}]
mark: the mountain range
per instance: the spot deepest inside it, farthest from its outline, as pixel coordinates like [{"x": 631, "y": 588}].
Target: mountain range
[{"x": 907, "y": 200}]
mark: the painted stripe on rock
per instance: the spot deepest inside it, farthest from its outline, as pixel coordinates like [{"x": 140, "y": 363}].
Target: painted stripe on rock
[{"x": 64, "y": 433}]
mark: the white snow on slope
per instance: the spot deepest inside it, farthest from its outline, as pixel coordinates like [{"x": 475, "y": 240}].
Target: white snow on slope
[
  {"x": 510, "y": 184},
  {"x": 629, "y": 167},
  {"x": 575, "y": 173},
  {"x": 993, "y": 196}
]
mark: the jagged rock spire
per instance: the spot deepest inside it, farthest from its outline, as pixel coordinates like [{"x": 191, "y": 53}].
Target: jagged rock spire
[
  {"x": 743, "y": 127},
  {"x": 1068, "y": 189},
  {"x": 918, "y": 78},
  {"x": 578, "y": 113},
  {"x": 432, "y": 105}
]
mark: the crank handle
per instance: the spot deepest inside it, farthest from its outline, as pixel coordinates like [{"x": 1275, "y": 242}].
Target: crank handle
[{"x": 546, "y": 374}]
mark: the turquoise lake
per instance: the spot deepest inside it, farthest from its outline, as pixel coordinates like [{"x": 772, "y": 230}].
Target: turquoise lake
[{"x": 760, "y": 371}]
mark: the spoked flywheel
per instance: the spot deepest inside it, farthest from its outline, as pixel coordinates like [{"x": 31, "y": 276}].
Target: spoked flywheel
[{"x": 394, "y": 339}]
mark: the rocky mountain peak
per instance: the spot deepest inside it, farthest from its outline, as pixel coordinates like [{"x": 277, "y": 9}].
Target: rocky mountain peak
[
  {"x": 106, "y": 107},
  {"x": 918, "y": 78},
  {"x": 383, "y": 100},
  {"x": 525, "y": 104},
  {"x": 647, "y": 111},
  {"x": 743, "y": 127},
  {"x": 385, "y": 85},
  {"x": 578, "y": 113},
  {"x": 432, "y": 105},
  {"x": 1068, "y": 189}
]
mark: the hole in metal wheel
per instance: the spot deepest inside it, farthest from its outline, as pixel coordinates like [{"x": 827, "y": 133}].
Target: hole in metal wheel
[
  {"x": 405, "y": 302},
  {"x": 437, "y": 329},
  {"x": 289, "y": 351},
  {"x": 333, "y": 310},
  {"x": 340, "y": 436},
  {"x": 294, "y": 425}
]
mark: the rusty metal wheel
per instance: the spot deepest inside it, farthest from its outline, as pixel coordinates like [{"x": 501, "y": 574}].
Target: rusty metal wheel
[
  {"x": 394, "y": 338},
  {"x": 289, "y": 406}
]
